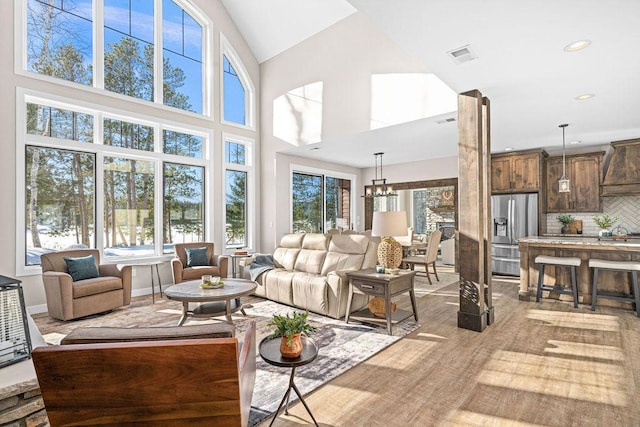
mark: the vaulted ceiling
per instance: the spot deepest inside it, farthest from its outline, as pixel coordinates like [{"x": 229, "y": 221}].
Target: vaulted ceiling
[{"x": 520, "y": 66}]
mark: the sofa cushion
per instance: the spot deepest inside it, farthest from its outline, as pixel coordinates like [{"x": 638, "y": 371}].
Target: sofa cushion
[
  {"x": 310, "y": 292},
  {"x": 315, "y": 241},
  {"x": 279, "y": 285},
  {"x": 285, "y": 257},
  {"x": 346, "y": 252},
  {"x": 349, "y": 244},
  {"x": 108, "y": 334},
  {"x": 81, "y": 268},
  {"x": 197, "y": 257},
  {"x": 336, "y": 261},
  {"x": 293, "y": 240},
  {"x": 310, "y": 261},
  {"x": 97, "y": 285}
]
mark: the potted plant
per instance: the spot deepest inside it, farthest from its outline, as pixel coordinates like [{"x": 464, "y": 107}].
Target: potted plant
[
  {"x": 565, "y": 220},
  {"x": 290, "y": 328},
  {"x": 604, "y": 221}
]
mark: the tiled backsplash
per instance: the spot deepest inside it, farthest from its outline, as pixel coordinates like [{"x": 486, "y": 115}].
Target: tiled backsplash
[{"x": 626, "y": 208}]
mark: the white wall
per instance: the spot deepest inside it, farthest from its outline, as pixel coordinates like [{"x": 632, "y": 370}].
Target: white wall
[
  {"x": 343, "y": 57},
  {"x": 446, "y": 167},
  {"x": 9, "y": 81}
]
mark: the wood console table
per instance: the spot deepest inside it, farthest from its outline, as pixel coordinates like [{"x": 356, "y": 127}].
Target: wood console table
[{"x": 584, "y": 248}]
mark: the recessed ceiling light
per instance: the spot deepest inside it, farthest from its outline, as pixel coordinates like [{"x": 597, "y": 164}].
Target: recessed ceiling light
[
  {"x": 508, "y": 149},
  {"x": 585, "y": 96},
  {"x": 577, "y": 45},
  {"x": 574, "y": 142}
]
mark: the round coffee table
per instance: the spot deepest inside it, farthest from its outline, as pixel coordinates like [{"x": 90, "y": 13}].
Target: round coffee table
[
  {"x": 270, "y": 352},
  {"x": 215, "y": 302}
]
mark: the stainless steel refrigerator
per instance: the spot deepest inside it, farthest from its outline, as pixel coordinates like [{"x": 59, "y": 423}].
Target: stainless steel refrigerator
[{"x": 514, "y": 216}]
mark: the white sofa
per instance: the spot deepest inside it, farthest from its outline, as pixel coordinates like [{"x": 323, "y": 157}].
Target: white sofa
[{"x": 310, "y": 271}]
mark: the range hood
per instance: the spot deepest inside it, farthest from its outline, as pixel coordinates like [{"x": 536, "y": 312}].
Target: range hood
[{"x": 622, "y": 177}]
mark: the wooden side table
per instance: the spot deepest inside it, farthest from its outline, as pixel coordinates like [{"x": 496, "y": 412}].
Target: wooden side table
[
  {"x": 368, "y": 282},
  {"x": 270, "y": 352}
]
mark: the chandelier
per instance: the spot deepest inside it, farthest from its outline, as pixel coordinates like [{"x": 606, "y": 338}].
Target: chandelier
[
  {"x": 379, "y": 187},
  {"x": 563, "y": 183}
]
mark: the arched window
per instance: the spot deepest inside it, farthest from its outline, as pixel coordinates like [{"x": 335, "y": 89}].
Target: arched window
[
  {"x": 117, "y": 51},
  {"x": 237, "y": 90}
]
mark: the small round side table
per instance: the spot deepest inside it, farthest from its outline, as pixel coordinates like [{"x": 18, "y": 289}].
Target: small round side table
[{"x": 270, "y": 353}]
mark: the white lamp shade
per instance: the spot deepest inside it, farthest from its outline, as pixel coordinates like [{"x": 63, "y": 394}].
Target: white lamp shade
[{"x": 389, "y": 223}]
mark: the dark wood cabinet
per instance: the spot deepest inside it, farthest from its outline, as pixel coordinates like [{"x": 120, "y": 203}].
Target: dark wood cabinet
[
  {"x": 622, "y": 177},
  {"x": 517, "y": 171},
  {"x": 585, "y": 174}
]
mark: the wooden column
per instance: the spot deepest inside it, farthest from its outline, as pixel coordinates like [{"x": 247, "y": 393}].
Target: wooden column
[{"x": 474, "y": 205}]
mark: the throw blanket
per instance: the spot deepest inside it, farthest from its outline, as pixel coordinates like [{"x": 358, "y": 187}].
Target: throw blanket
[{"x": 260, "y": 264}]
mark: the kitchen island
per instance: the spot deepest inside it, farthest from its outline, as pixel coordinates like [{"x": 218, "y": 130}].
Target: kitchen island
[{"x": 584, "y": 248}]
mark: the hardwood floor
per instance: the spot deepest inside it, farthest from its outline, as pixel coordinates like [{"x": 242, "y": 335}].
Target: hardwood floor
[{"x": 544, "y": 364}]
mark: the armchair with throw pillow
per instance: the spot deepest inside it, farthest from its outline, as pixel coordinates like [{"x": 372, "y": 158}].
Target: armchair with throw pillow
[
  {"x": 193, "y": 260},
  {"x": 77, "y": 285}
]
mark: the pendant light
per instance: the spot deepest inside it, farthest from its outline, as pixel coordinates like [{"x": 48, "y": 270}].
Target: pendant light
[
  {"x": 563, "y": 183},
  {"x": 379, "y": 187}
]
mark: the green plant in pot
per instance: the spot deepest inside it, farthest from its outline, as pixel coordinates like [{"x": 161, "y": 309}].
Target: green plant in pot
[
  {"x": 565, "y": 220},
  {"x": 290, "y": 328},
  {"x": 605, "y": 222}
]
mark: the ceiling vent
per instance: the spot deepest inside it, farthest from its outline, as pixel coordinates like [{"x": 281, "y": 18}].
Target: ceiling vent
[
  {"x": 462, "y": 54},
  {"x": 447, "y": 120}
]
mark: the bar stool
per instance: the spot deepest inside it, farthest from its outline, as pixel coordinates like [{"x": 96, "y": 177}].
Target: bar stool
[
  {"x": 628, "y": 266},
  {"x": 571, "y": 262}
]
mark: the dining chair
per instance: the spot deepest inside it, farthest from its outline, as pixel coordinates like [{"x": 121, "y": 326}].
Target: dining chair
[{"x": 429, "y": 258}]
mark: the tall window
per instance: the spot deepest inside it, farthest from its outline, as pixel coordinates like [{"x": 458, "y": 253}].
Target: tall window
[
  {"x": 237, "y": 90},
  {"x": 183, "y": 215},
  {"x": 234, "y": 95},
  {"x": 150, "y": 197},
  {"x": 337, "y": 203},
  {"x": 128, "y": 206},
  {"x": 128, "y": 47},
  {"x": 62, "y": 38},
  {"x": 182, "y": 53},
  {"x": 238, "y": 167},
  {"x": 319, "y": 202},
  {"x": 59, "y": 201}
]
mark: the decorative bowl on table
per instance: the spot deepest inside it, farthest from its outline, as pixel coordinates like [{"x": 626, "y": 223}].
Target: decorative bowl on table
[{"x": 212, "y": 285}]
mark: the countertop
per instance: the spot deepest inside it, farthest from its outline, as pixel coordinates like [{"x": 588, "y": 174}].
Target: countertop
[
  {"x": 569, "y": 235},
  {"x": 580, "y": 241}
]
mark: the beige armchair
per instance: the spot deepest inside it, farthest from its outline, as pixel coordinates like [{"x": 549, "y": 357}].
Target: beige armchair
[
  {"x": 68, "y": 299},
  {"x": 217, "y": 265}
]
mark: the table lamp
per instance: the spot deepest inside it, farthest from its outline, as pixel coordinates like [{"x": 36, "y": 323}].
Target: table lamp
[{"x": 386, "y": 225}]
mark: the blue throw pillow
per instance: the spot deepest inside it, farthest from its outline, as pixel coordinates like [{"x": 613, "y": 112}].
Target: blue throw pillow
[
  {"x": 197, "y": 257},
  {"x": 82, "y": 267}
]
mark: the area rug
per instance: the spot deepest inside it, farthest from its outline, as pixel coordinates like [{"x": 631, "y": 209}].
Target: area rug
[{"x": 342, "y": 346}]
